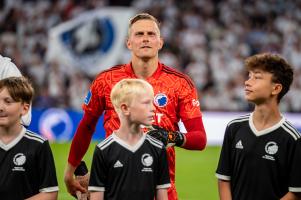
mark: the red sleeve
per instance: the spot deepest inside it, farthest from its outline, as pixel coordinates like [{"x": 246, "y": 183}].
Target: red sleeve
[
  {"x": 94, "y": 103},
  {"x": 82, "y": 139},
  {"x": 196, "y": 138}
]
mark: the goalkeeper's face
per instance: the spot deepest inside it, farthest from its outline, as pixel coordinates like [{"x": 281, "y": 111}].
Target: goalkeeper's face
[
  {"x": 141, "y": 109},
  {"x": 144, "y": 39}
]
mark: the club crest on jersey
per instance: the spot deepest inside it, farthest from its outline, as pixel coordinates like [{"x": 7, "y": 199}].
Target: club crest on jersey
[
  {"x": 160, "y": 100},
  {"x": 147, "y": 161},
  {"x": 271, "y": 148},
  {"x": 19, "y": 160},
  {"x": 88, "y": 97}
]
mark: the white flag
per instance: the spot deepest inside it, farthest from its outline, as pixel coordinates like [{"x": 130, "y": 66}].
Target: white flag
[{"x": 91, "y": 42}]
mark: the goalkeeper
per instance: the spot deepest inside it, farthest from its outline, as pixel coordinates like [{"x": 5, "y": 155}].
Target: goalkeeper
[{"x": 175, "y": 99}]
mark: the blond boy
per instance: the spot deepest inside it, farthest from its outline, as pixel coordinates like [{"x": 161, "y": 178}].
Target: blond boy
[{"x": 129, "y": 164}]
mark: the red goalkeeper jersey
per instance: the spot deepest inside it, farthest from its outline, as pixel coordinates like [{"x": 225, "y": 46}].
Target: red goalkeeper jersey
[{"x": 175, "y": 98}]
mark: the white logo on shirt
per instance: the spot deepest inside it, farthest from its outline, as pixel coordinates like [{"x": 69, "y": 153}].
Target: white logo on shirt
[
  {"x": 19, "y": 160},
  {"x": 195, "y": 102},
  {"x": 118, "y": 164},
  {"x": 239, "y": 145},
  {"x": 271, "y": 148},
  {"x": 147, "y": 161}
]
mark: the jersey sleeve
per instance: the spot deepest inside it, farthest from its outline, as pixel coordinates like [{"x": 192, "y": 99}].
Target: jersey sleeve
[
  {"x": 224, "y": 171},
  {"x": 98, "y": 173},
  {"x": 46, "y": 169},
  {"x": 295, "y": 175},
  {"x": 163, "y": 179},
  {"x": 94, "y": 102},
  {"x": 189, "y": 105}
]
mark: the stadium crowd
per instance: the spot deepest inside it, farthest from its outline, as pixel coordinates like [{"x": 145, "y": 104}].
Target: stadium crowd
[{"x": 206, "y": 39}]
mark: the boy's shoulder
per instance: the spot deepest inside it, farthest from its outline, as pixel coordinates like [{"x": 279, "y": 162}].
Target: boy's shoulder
[
  {"x": 239, "y": 120},
  {"x": 34, "y": 137},
  {"x": 290, "y": 130},
  {"x": 106, "y": 142},
  {"x": 154, "y": 142}
]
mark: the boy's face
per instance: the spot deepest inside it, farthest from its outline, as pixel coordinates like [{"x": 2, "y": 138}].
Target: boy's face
[
  {"x": 259, "y": 87},
  {"x": 142, "y": 109},
  {"x": 144, "y": 39},
  {"x": 10, "y": 110}
]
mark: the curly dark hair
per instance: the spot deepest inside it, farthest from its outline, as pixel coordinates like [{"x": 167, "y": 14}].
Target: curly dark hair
[{"x": 280, "y": 69}]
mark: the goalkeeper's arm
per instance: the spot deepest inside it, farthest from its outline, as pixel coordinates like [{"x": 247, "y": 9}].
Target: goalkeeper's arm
[{"x": 194, "y": 139}]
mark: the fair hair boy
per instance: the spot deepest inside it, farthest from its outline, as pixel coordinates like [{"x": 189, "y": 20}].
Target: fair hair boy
[{"x": 130, "y": 164}]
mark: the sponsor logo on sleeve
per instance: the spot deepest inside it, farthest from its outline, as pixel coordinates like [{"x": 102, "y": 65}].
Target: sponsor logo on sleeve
[
  {"x": 195, "y": 102},
  {"x": 88, "y": 97}
]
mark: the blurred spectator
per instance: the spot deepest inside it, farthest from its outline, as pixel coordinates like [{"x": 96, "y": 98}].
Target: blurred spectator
[
  {"x": 206, "y": 39},
  {"x": 79, "y": 86}
]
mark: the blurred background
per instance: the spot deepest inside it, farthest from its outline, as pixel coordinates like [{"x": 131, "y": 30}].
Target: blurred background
[
  {"x": 205, "y": 39},
  {"x": 62, "y": 45}
]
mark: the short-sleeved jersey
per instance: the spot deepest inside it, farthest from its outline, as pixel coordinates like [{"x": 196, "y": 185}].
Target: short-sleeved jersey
[
  {"x": 260, "y": 164},
  {"x": 175, "y": 98},
  {"x": 129, "y": 172},
  {"x": 26, "y": 167}
]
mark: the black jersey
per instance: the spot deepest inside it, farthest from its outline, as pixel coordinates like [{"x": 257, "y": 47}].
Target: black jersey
[
  {"x": 129, "y": 172},
  {"x": 261, "y": 165},
  {"x": 26, "y": 167}
]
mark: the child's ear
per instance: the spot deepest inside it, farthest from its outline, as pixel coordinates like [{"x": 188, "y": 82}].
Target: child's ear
[
  {"x": 125, "y": 109},
  {"x": 277, "y": 88},
  {"x": 25, "y": 108}
]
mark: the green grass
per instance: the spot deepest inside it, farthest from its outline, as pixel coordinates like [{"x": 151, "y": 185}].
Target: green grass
[
  {"x": 195, "y": 170},
  {"x": 195, "y": 174}
]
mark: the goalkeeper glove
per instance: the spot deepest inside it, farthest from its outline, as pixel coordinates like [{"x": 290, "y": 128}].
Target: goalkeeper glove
[{"x": 168, "y": 138}]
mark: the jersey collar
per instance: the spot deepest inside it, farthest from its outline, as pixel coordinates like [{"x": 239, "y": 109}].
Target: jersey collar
[
  {"x": 10, "y": 145},
  {"x": 267, "y": 130},
  {"x": 131, "y": 148},
  {"x": 155, "y": 75}
]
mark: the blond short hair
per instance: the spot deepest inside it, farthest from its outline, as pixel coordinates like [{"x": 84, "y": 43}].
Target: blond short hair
[
  {"x": 142, "y": 16},
  {"x": 126, "y": 90}
]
